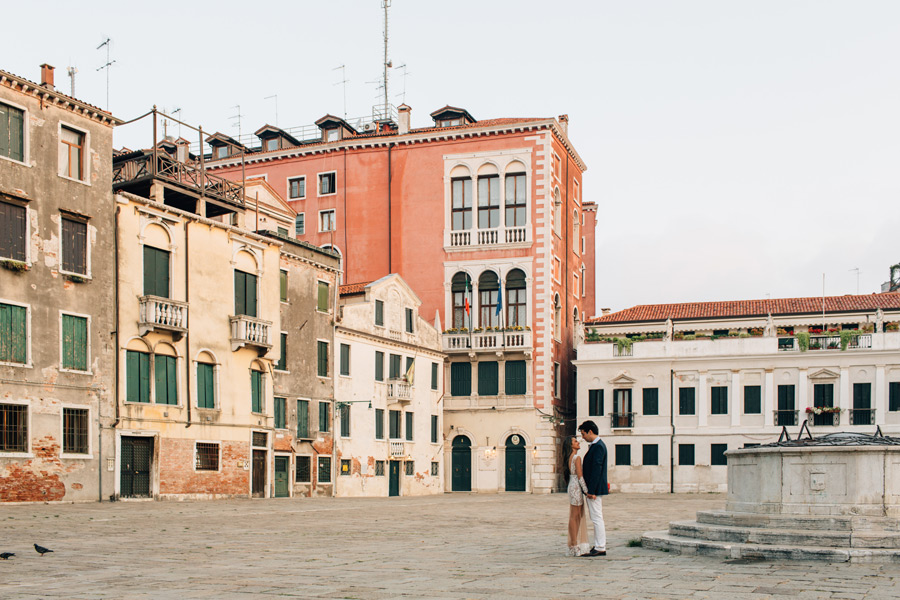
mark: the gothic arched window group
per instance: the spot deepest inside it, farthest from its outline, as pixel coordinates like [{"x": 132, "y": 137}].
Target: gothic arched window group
[{"x": 491, "y": 311}]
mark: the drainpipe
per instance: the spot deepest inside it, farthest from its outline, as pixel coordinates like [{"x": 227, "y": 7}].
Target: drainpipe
[
  {"x": 187, "y": 334},
  {"x": 346, "y": 242},
  {"x": 672, "y": 435},
  {"x": 116, "y": 355}
]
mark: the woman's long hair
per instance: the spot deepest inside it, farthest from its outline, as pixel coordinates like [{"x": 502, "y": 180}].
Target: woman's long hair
[{"x": 567, "y": 454}]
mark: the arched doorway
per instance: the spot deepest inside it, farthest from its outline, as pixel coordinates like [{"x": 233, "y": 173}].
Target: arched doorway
[
  {"x": 515, "y": 463},
  {"x": 461, "y": 479}
]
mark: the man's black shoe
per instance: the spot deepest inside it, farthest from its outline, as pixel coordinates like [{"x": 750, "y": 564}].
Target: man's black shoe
[{"x": 595, "y": 552}]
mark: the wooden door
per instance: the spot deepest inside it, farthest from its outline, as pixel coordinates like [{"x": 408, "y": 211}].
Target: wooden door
[
  {"x": 282, "y": 468},
  {"x": 258, "y": 477},
  {"x": 461, "y": 464},
  {"x": 515, "y": 464},
  {"x": 394, "y": 478}
]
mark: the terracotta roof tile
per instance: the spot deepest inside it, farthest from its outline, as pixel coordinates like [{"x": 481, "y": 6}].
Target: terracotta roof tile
[
  {"x": 750, "y": 308},
  {"x": 353, "y": 289}
]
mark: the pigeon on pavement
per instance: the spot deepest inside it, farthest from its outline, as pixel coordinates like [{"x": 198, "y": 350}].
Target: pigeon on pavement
[
  {"x": 41, "y": 550},
  {"x": 7, "y": 555}
]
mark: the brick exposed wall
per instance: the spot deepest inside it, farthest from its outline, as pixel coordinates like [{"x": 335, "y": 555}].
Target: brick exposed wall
[{"x": 177, "y": 474}]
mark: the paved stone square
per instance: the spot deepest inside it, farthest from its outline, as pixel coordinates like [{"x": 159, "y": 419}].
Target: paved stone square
[{"x": 450, "y": 546}]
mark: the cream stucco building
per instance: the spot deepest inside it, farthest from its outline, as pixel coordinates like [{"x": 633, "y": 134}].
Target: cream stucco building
[
  {"x": 672, "y": 387},
  {"x": 388, "y": 393}
]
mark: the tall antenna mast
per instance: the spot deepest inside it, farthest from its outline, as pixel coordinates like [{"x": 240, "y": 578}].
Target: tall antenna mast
[
  {"x": 275, "y": 96},
  {"x": 71, "y": 71},
  {"x": 405, "y": 73},
  {"x": 108, "y": 64},
  {"x": 386, "y": 4},
  {"x": 343, "y": 82},
  {"x": 238, "y": 117},
  {"x": 857, "y": 278}
]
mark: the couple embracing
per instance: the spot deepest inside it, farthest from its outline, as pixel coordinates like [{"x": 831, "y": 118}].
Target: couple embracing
[{"x": 587, "y": 483}]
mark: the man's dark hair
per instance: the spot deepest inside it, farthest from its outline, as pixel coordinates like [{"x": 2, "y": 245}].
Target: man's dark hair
[{"x": 589, "y": 426}]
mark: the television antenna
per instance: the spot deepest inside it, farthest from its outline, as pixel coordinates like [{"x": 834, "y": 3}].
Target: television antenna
[
  {"x": 386, "y": 4},
  {"x": 108, "y": 64},
  {"x": 343, "y": 82},
  {"x": 857, "y": 278},
  {"x": 71, "y": 71},
  {"x": 405, "y": 73},
  {"x": 238, "y": 117},
  {"x": 275, "y": 96}
]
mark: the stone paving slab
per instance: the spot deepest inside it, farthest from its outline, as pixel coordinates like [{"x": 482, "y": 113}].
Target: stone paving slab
[{"x": 455, "y": 546}]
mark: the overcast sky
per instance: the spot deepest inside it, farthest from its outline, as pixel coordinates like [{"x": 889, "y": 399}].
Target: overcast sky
[{"x": 736, "y": 149}]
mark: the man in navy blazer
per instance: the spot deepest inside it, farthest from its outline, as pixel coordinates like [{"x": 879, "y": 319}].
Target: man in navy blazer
[{"x": 594, "y": 466}]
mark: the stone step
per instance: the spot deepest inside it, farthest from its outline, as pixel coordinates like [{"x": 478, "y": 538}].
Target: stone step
[
  {"x": 845, "y": 523},
  {"x": 739, "y": 519},
  {"x": 758, "y": 535},
  {"x": 789, "y": 537},
  {"x": 663, "y": 540}
]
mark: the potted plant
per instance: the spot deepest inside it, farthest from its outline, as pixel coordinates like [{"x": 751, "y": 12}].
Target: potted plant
[
  {"x": 803, "y": 341},
  {"x": 16, "y": 266},
  {"x": 892, "y": 326}
]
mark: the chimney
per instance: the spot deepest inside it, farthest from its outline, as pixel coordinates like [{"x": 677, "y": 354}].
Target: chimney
[
  {"x": 564, "y": 124},
  {"x": 403, "y": 116},
  {"x": 47, "y": 76}
]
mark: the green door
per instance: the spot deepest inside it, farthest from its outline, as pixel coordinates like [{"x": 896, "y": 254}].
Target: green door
[
  {"x": 394, "y": 479},
  {"x": 282, "y": 467},
  {"x": 515, "y": 463},
  {"x": 461, "y": 463},
  {"x": 135, "y": 467}
]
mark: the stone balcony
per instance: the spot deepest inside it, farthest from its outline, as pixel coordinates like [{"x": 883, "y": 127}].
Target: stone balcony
[
  {"x": 397, "y": 449},
  {"x": 730, "y": 346},
  {"x": 398, "y": 390},
  {"x": 487, "y": 341},
  {"x": 163, "y": 314},
  {"x": 251, "y": 332},
  {"x": 477, "y": 239}
]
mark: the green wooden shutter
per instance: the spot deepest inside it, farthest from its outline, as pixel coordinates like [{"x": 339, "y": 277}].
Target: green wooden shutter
[
  {"x": 322, "y": 368},
  {"x": 240, "y": 293},
  {"x": 302, "y": 418},
  {"x": 434, "y": 376},
  {"x": 379, "y": 423},
  {"x": 251, "y": 295},
  {"x": 409, "y": 426},
  {"x": 434, "y": 429},
  {"x": 515, "y": 377},
  {"x": 13, "y": 337},
  {"x": 279, "y": 413},
  {"x": 322, "y": 304},
  {"x": 143, "y": 377},
  {"x": 460, "y": 379},
  {"x": 281, "y": 365},
  {"x": 379, "y": 366},
  {"x": 5, "y": 127},
  {"x": 162, "y": 274},
  {"x": 16, "y": 134},
  {"x": 166, "y": 379},
  {"x": 488, "y": 380},
  {"x": 132, "y": 385},
  {"x": 256, "y": 391},
  {"x": 283, "y": 282},
  {"x": 202, "y": 389},
  {"x": 74, "y": 343}
]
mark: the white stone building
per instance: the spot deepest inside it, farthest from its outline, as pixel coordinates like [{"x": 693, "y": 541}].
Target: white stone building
[
  {"x": 388, "y": 393},
  {"x": 674, "y": 386}
]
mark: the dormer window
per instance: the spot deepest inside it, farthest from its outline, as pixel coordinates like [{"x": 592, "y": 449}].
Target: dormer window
[
  {"x": 270, "y": 144},
  {"x": 272, "y": 138},
  {"x": 334, "y": 128},
  {"x": 220, "y": 152},
  {"x": 451, "y": 116},
  {"x": 333, "y": 135}
]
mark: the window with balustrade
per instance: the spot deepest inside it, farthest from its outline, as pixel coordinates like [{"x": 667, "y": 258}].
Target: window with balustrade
[
  {"x": 516, "y": 203},
  {"x": 488, "y": 300},
  {"x": 460, "y": 288},
  {"x": 461, "y": 203},
  {"x": 489, "y": 201},
  {"x": 516, "y": 299}
]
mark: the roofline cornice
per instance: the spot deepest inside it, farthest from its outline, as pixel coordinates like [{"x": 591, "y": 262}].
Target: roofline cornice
[
  {"x": 405, "y": 139},
  {"x": 60, "y": 100}
]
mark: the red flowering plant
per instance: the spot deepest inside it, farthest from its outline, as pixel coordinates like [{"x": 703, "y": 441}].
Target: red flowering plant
[{"x": 822, "y": 410}]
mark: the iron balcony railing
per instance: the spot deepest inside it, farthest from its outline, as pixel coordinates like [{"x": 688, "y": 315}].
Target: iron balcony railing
[
  {"x": 785, "y": 417},
  {"x": 862, "y": 416},
  {"x": 158, "y": 313},
  {"x": 487, "y": 341},
  {"x": 250, "y": 331},
  {"x": 829, "y": 419},
  {"x": 622, "y": 420}
]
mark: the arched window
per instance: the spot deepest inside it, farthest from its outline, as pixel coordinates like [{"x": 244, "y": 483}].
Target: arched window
[
  {"x": 516, "y": 300},
  {"x": 488, "y": 197},
  {"x": 515, "y": 200},
  {"x": 461, "y": 289},
  {"x": 576, "y": 241},
  {"x": 461, "y": 199},
  {"x": 557, "y": 211},
  {"x": 206, "y": 375},
  {"x": 488, "y": 299},
  {"x": 337, "y": 251},
  {"x": 557, "y": 326}
]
